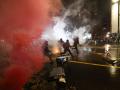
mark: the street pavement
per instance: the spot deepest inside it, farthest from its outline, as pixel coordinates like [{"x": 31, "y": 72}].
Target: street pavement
[
  {"x": 92, "y": 71},
  {"x": 92, "y": 77}
]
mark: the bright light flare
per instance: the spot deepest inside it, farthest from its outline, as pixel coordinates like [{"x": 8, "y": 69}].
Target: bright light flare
[
  {"x": 107, "y": 47},
  {"x": 57, "y": 31},
  {"x": 114, "y": 14},
  {"x": 55, "y": 50},
  {"x": 115, "y": 9},
  {"x": 87, "y": 36},
  {"x": 108, "y": 35},
  {"x": 115, "y": 1}
]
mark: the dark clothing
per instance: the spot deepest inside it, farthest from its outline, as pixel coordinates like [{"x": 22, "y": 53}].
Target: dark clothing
[
  {"x": 46, "y": 51},
  {"x": 61, "y": 42},
  {"x": 76, "y": 43},
  {"x": 66, "y": 47},
  {"x": 67, "y": 50}
]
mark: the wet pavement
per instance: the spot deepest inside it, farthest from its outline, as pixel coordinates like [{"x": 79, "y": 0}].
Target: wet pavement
[
  {"x": 92, "y": 71},
  {"x": 92, "y": 77}
]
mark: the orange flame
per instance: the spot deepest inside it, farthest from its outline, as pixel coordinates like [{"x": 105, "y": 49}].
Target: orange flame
[{"x": 55, "y": 50}]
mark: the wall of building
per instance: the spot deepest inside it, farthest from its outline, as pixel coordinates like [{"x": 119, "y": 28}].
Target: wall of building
[{"x": 114, "y": 16}]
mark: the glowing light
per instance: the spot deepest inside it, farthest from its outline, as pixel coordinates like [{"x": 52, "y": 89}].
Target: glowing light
[
  {"x": 115, "y": 1},
  {"x": 55, "y": 32},
  {"x": 113, "y": 70},
  {"x": 115, "y": 9},
  {"x": 108, "y": 35},
  {"x": 55, "y": 50},
  {"x": 114, "y": 17},
  {"x": 113, "y": 57},
  {"x": 58, "y": 30},
  {"x": 107, "y": 47},
  {"x": 62, "y": 79},
  {"x": 107, "y": 52}
]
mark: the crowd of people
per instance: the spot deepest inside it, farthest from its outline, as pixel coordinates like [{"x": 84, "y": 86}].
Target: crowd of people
[
  {"x": 67, "y": 47},
  {"x": 112, "y": 38},
  {"x": 64, "y": 46}
]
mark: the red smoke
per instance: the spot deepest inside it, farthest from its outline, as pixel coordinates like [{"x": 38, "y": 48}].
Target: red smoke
[{"x": 21, "y": 23}]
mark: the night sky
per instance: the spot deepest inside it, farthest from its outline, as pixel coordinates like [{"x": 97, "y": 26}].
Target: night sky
[{"x": 100, "y": 11}]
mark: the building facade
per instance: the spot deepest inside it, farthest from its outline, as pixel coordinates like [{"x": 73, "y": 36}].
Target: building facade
[{"x": 115, "y": 16}]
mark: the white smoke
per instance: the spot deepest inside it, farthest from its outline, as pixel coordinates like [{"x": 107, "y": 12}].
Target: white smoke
[
  {"x": 82, "y": 33},
  {"x": 53, "y": 33}
]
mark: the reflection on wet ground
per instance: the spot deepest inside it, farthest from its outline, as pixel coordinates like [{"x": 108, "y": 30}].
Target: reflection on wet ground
[
  {"x": 89, "y": 77},
  {"x": 108, "y": 51},
  {"x": 91, "y": 71}
]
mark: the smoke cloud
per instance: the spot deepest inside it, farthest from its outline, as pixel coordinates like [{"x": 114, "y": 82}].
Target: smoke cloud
[
  {"x": 74, "y": 22},
  {"x": 21, "y": 24}
]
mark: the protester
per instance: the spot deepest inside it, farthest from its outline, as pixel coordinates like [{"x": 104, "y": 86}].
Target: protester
[
  {"x": 47, "y": 51},
  {"x": 61, "y": 42},
  {"x": 66, "y": 47},
  {"x": 76, "y": 43}
]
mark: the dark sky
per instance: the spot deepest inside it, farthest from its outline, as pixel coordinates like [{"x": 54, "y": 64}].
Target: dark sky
[{"x": 100, "y": 10}]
